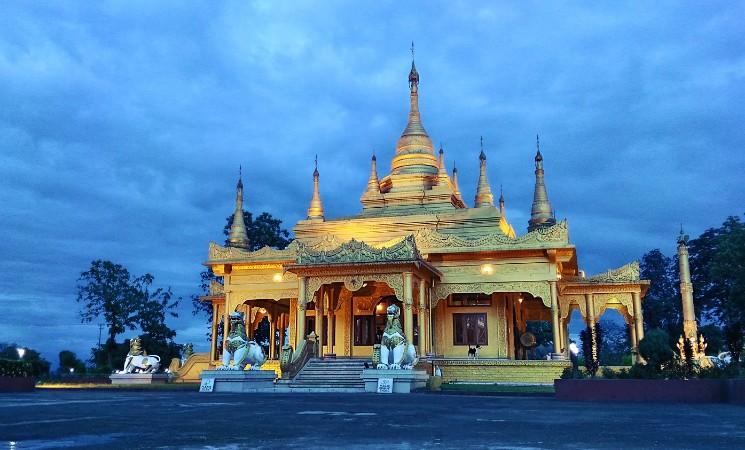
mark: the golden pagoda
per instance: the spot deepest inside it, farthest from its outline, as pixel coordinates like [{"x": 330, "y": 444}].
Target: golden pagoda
[{"x": 461, "y": 275}]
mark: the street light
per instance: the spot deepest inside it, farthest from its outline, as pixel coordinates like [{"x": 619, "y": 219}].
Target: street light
[
  {"x": 573, "y": 351},
  {"x": 72, "y": 369},
  {"x": 21, "y": 351}
]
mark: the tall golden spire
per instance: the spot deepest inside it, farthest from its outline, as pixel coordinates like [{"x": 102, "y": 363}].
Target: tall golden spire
[
  {"x": 414, "y": 151},
  {"x": 484, "y": 196},
  {"x": 238, "y": 236},
  {"x": 316, "y": 207},
  {"x": 456, "y": 188},
  {"x": 541, "y": 214}
]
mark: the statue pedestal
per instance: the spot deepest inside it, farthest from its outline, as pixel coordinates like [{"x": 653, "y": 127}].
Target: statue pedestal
[
  {"x": 240, "y": 380},
  {"x": 138, "y": 378},
  {"x": 404, "y": 381}
]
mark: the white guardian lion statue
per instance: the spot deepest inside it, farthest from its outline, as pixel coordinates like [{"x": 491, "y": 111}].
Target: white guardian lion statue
[
  {"x": 138, "y": 361},
  {"x": 395, "y": 352},
  {"x": 239, "y": 348}
]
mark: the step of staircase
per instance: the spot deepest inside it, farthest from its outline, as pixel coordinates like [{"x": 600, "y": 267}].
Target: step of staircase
[{"x": 330, "y": 375}]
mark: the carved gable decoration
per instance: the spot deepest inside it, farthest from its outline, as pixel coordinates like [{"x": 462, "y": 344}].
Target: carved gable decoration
[
  {"x": 625, "y": 274},
  {"x": 432, "y": 241},
  {"x": 219, "y": 253},
  {"x": 358, "y": 252}
]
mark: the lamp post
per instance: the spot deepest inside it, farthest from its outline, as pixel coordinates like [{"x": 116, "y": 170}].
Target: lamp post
[
  {"x": 573, "y": 350},
  {"x": 21, "y": 351}
]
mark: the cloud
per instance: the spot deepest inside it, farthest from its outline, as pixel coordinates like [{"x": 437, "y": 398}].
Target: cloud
[{"x": 122, "y": 126}]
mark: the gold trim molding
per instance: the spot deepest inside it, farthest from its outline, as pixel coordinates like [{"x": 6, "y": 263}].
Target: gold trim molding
[{"x": 535, "y": 288}]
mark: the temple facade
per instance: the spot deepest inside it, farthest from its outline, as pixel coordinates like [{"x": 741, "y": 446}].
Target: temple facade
[{"x": 461, "y": 274}]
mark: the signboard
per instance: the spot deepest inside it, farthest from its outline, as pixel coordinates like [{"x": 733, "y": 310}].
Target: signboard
[
  {"x": 208, "y": 385},
  {"x": 385, "y": 385}
]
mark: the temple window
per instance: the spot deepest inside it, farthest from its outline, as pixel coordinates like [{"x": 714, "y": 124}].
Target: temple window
[
  {"x": 469, "y": 300},
  {"x": 470, "y": 329},
  {"x": 364, "y": 330}
]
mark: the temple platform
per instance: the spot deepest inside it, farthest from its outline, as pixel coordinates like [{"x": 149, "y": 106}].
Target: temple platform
[
  {"x": 238, "y": 380},
  {"x": 494, "y": 370},
  {"x": 404, "y": 381},
  {"x": 139, "y": 378}
]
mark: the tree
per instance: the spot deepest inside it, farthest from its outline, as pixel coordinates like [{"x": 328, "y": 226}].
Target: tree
[
  {"x": 662, "y": 306},
  {"x": 718, "y": 274},
  {"x": 68, "y": 360},
  {"x": 592, "y": 362},
  {"x": 39, "y": 366},
  {"x": 108, "y": 290},
  {"x": 263, "y": 231},
  {"x": 614, "y": 346},
  {"x": 655, "y": 349}
]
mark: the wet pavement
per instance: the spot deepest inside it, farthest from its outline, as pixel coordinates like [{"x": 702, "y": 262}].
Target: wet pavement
[{"x": 106, "y": 419}]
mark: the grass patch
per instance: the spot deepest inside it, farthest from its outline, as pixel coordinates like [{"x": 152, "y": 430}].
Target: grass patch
[
  {"x": 123, "y": 387},
  {"x": 499, "y": 388}
]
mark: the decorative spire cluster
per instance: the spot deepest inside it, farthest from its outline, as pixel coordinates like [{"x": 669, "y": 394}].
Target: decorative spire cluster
[
  {"x": 238, "y": 237},
  {"x": 484, "y": 196},
  {"x": 315, "y": 211},
  {"x": 541, "y": 214}
]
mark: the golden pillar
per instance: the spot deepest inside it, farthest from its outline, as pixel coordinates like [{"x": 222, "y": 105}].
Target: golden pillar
[
  {"x": 690, "y": 329},
  {"x": 421, "y": 321},
  {"x": 215, "y": 318},
  {"x": 226, "y": 322},
  {"x": 330, "y": 321},
  {"x": 300, "y": 314},
  {"x": 272, "y": 330},
  {"x": 555, "y": 317},
  {"x": 638, "y": 318},
  {"x": 408, "y": 313},
  {"x": 634, "y": 342},
  {"x": 319, "y": 319}
]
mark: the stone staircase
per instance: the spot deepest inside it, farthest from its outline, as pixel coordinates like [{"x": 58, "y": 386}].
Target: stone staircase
[{"x": 330, "y": 375}]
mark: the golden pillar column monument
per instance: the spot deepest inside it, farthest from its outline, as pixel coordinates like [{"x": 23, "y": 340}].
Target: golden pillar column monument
[
  {"x": 638, "y": 318},
  {"x": 319, "y": 319},
  {"x": 690, "y": 329}
]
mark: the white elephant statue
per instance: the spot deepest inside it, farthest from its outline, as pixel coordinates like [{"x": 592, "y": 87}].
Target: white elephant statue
[
  {"x": 395, "y": 352},
  {"x": 239, "y": 349}
]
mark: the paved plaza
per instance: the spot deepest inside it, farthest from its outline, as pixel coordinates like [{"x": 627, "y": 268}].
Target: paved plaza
[{"x": 158, "y": 419}]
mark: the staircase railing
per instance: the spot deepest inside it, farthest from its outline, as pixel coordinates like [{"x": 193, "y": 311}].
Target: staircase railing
[{"x": 294, "y": 363}]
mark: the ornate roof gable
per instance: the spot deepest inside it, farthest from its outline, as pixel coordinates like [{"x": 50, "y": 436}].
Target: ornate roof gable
[
  {"x": 623, "y": 274},
  {"x": 358, "y": 252},
  {"x": 431, "y": 241}
]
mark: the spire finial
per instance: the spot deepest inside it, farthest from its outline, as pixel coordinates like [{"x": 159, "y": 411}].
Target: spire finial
[
  {"x": 441, "y": 150},
  {"x": 412, "y": 52},
  {"x": 413, "y": 74},
  {"x": 316, "y": 207},
  {"x": 482, "y": 155},
  {"x": 541, "y": 213},
  {"x": 484, "y": 196},
  {"x": 238, "y": 236}
]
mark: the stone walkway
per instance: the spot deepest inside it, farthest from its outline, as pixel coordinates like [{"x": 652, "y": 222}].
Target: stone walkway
[{"x": 88, "y": 419}]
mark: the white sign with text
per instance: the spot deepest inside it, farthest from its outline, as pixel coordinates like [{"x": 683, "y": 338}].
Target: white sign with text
[
  {"x": 208, "y": 385},
  {"x": 385, "y": 385}
]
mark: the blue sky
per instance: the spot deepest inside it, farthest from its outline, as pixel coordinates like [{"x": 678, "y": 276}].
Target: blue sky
[{"x": 122, "y": 125}]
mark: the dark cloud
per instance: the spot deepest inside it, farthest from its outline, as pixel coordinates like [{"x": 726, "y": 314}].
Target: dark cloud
[{"x": 122, "y": 126}]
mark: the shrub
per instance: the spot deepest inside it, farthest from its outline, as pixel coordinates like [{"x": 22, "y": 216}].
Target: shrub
[
  {"x": 655, "y": 349},
  {"x": 11, "y": 368}
]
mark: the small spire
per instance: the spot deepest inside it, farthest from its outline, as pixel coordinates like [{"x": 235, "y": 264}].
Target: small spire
[
  {"x": 502, "y": 211},
  {"x": 541, "y": 213},
  {"x": 238, "y": 236},
  {"x": 373, "y": 184},
  {"x": 484, "y": 196},
  {"x": 442, "y": 172},
  {"x": 456, "y": 188},
  {"x": 315, "y": 211}
]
